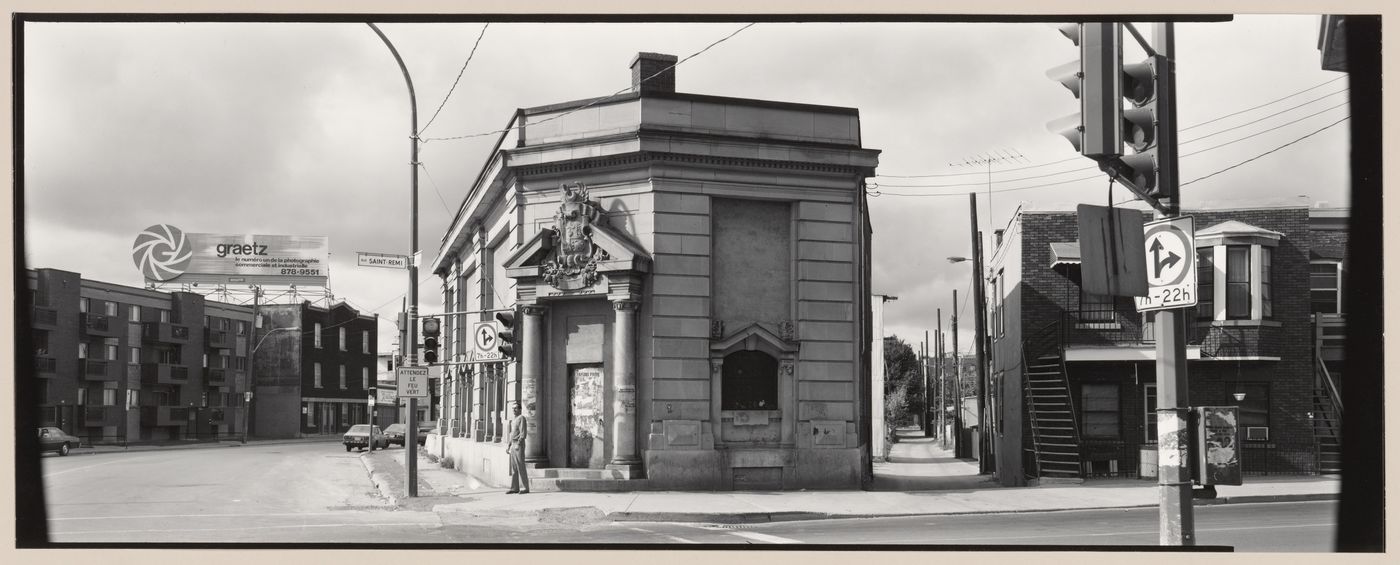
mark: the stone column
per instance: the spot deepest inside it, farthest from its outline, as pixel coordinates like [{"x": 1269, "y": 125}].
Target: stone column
[
  {"x": 531, "y": 369},
  {"x": 624, "y": 365}
]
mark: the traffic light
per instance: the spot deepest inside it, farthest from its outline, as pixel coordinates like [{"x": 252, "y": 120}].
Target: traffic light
[
  {"x": 1141, "y": 170},
  {"x": 506, "y": 336},
  {"x": 432, "y": 328},
  {"x": 1096, "y": 80}
]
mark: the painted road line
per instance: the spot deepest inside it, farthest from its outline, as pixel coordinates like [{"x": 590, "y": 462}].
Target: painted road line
[
  {"x": 1062, "y": 535},
  {"x": 667, "y": 536},
  {"x": 765, "y": 538},
  {"x": 248, "y": 528}
]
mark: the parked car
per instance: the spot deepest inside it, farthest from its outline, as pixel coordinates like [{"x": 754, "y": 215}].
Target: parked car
[
  {"x": 395, "y": 433},
  {"x": 424, "y": 428},
  {"x": 54, "y": 439},
  {"x": 360, "y": 436}
]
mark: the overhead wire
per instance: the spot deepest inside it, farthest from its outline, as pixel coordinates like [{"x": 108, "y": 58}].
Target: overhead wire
[
  {"x": 459, "y": 79},
  {"x": 1212, "y": 120},
  {"x": 597, "y": 101}
]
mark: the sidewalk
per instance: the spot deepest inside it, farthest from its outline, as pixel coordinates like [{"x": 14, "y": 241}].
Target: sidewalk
[
  {"x": 449, "y": 491},
  {"x": 917, "y": 463}
]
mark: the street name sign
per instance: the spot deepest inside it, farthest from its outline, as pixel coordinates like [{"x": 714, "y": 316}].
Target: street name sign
[
  {"x": 382, "y": 260},
  {"x": 412, "y": 381},
  {"x": 485, "y": 342},
  {"x": 1171, "y": 264}
]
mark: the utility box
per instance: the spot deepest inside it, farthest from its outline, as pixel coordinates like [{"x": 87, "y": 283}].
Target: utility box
[{"x": 1217, "y": 445}]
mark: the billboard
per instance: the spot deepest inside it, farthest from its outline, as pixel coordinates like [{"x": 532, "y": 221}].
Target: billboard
[{"x": 165, "y": 254}]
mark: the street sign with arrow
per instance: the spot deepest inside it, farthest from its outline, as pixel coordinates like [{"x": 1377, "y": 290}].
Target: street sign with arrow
[
  {"x": 484, "y": 342},
  {"x": 1171, "y": 264}
]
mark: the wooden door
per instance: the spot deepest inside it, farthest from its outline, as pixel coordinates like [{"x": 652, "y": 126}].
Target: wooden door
[{"x": 586, "y": 417}]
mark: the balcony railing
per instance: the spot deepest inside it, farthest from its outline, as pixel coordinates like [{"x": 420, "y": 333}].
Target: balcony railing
[
  {"x": 45, "y": 316},
  {"x": 218, "y": 339},
  {"x": 45, "y": 366},
  {"x": 99, "y": 324},
  {"x": 164, "y": 373},
  {"x": 216, "y": 377},
  {"x": 165, "y": 416},
  {"x": 96, "y": 416},
  {"x": 165, "y": 332},
  {"x": 100, "y": 370}
]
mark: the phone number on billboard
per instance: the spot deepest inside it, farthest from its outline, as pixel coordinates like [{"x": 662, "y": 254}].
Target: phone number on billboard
[{"x": 302, "y": 272}]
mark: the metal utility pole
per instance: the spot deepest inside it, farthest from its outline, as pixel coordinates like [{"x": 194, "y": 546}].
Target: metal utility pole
[
  {"x": 411, "y": 352},
  {"x": 923, "y": 367},
  {"x": 958, "y": 448},
  {"x": 980, "y": 305},
  {"x": 1175, "y": 513},
  {"x": 938, "y": 375}
]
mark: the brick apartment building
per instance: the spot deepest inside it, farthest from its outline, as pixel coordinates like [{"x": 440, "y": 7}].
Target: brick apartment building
[
  {"x": 118, "y": 364},
  {"x": 1073, "y": 382},
  {"x": 691, "y": 276},
  {"x": 314, "y": 369}
]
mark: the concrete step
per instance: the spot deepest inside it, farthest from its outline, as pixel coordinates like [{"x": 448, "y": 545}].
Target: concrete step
[{"x": 580, "y": 474}]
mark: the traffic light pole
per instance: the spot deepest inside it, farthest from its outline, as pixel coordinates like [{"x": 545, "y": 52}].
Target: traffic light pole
[
  {"x": 1176, "y": 521},
  {"x": 409, "y": 347}
]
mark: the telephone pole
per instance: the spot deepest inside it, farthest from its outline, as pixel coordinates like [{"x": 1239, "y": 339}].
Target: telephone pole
[
  {"x": 1176, "y": 521},
  {"x": 980, "y": 306}
]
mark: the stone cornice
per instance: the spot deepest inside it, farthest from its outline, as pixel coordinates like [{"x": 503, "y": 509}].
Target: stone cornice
[{"x": 643, "y": 157}]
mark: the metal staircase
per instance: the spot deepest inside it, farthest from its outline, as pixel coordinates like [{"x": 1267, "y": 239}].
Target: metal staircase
[
  {"x": 1049, "y": 406},
  {"x": 1327, "y": 422}
]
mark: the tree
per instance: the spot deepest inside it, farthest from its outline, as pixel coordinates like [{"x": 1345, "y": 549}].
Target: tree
[{"x": 904, "y": 384}]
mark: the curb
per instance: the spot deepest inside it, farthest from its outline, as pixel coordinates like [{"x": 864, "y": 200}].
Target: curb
[
  {"x": 794, "y": 516},
  {"x": 383, "y": 479},
  {"x": 208, "y": 445}
]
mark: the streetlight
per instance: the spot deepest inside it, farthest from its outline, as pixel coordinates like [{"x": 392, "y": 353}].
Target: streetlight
[{"x": 980, "y": 305}]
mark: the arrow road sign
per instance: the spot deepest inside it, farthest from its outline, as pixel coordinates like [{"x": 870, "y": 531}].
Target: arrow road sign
[
  {"x": 1171, "y": 264},
  {"x": 484, "y": 342}
]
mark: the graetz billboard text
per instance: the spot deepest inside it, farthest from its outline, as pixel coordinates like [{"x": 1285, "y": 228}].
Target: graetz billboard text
[{"x": 166, "y": 254}]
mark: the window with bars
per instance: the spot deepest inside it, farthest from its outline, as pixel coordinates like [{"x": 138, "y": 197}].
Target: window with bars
[
  {"x": 1096, "y": 308},
  {"x": 1099, "y": 407}
]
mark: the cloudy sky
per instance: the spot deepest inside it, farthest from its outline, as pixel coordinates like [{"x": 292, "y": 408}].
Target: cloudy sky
[{"x": 302, "y": 128}]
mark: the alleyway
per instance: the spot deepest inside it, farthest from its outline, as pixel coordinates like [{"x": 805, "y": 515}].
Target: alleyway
[{"x": 918, "y": 463}]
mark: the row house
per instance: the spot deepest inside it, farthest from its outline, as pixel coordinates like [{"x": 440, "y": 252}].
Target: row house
[
  {"x": 315, "y": 369},
  {"x": 1073, "y": 376},
  {"x": 690, "y": 276},
  {"x": 119, "y": 364}
]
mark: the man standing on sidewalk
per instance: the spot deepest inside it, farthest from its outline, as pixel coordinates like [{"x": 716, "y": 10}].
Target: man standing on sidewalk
[{"x": 519, "y": 479}]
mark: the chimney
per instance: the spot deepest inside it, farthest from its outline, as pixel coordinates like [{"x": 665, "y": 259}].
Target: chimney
[
  {"x": 647, "y": 64},
  {"x": 998, "y": 236}
]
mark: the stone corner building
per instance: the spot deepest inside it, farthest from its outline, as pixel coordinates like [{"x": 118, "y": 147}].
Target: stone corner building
[{"x": 691, "y": 279}]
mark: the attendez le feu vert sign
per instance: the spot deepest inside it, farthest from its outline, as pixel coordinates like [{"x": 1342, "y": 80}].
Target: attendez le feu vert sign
[{"x": 412, "y": 381}]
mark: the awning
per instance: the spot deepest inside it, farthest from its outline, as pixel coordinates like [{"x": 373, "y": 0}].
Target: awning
[{"x": 1064, "y": 253}]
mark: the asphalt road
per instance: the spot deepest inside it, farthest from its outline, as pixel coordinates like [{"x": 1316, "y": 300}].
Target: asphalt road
[{"x": 316, "y": 493}]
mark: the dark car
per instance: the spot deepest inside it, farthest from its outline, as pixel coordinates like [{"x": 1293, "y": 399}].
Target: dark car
[
  {"x": 360, "y": 435},
  {"x": 424, "y": 428},
  {"x": 54, "y": 439},
  {"x": 395, "y": 433}
]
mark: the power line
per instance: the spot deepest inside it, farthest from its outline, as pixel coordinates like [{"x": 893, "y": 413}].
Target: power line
[
  {"x": 1212, "y": 120},
  {"x": 1267, "y": 152},
  {"x": 1046, "y": 185},
  {"x": 596, "y": 101},
  {"x": 435, "y": 187},
  {"x": 459, "y": 79},
  {"x": 1272, "y": 115}
]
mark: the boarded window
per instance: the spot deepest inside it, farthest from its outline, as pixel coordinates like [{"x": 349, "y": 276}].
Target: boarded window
[
  {"x": 750, "y": 381},
  {"x": 1099, "y": 410}
]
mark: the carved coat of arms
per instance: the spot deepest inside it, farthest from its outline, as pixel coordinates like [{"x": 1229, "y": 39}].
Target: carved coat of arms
[{"x": 575, "y": 261}]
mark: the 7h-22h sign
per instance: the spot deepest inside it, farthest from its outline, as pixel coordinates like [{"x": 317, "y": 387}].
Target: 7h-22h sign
[{"x": 1171, "y": 264}]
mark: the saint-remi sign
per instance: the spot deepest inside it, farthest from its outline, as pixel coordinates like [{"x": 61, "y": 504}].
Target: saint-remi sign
[{"x": 382, "y": 260}]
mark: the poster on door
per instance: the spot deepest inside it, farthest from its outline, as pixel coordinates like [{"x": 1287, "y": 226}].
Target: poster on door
[{"x": 586, "y": 449}]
